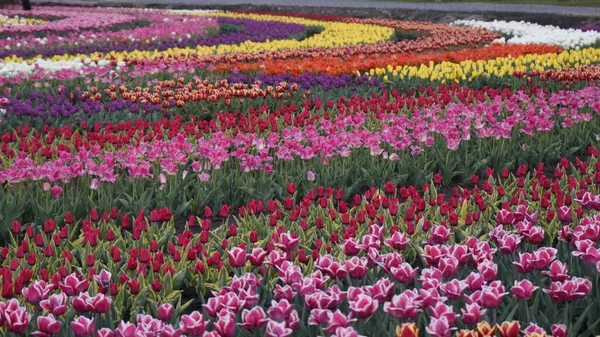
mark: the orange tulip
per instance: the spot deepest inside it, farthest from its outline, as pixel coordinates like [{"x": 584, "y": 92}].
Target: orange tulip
[
  {"x": 407, "y": 330},
  {"x": 509, "y": 329}
]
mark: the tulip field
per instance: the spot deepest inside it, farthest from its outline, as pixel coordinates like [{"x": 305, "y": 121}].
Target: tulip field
[{"x": 217, "y": 174}]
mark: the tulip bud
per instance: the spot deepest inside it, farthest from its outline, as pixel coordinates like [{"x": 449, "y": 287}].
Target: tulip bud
[{"x": 165, "y": 312}]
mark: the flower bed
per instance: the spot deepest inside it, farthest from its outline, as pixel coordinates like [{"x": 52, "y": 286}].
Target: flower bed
[{"x": 206, "y": 173}]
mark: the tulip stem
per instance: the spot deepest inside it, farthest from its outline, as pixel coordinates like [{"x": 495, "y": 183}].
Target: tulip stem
[{"x": 566, "y": 318}]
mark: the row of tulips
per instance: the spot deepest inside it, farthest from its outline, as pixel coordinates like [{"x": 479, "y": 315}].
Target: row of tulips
[
  {"x": 514, "y": 247},
  {"x": 359, "y": 144}
]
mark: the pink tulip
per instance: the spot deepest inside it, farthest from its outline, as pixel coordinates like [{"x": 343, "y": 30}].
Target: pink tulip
[
  {"x": 56, "y": 304},
  {"x": 474, "y": 281},
  {"x": 404, "y": 273},
  {"x": 320, "y": 317},
  {"x": 125, "y": 329},
  {"x": 488, "y": 269},
  {"x": 346, "y": 332},
  {"x": 293, "y": 320},
  {"x": 283, "y": 292},
  {"x": 569, "y": 290},
  {"x": 454, "y": 289},
  {"x": 254, "y": 318},
  {"x": 287, "y": 242},
  {"x": 257, "y": 256},
  {"x": 193, "y": 324},
  {"x": 277, "y": 329},
  {"x": 509, "y": 243},
  {"x": 404, "y": 306},
  {"x": 523, "y": 289},
  {"x": 382, "y": 289},
  {"x": 533, "y": 328},
  {"x": 330, "y": 266},
  {"x": 337, "y": 320},
  {"x": 279, "y": 311},
  {"x": 559, "y": 330},
  {"x": 565, "y": 214},
  {"x": 472, "y": 313},
  {"x": 225, "y": 325},
  {"x": 442, "y": 310},
  {"x": 439, "y": 327},
  {"x": 17, "y": 320},
  {"x": 47, "y": 326},
  {"x": 213, "y": 306},
  {"x": 430, "y": 297},
  {"x": 105, "y": 332},
  {"x": 37, "y": 292},
  {"x": 439, "y": 235},
  {"x": 505, "y": 217},
  {"x": 397, "y": 241},
  {"x": 83, "y": 326},
  {"x": 356, "y": 267},
  {"x": 237, "y": 257},
  {"x": 103, "y": 278},
  {"x": 448, "y": 266},
  {"x": 165, "y": 312},
  {"x": 72, "y": 285},
  {"x": 557, "y": 271},
  {"x": 364, "y": 306}
]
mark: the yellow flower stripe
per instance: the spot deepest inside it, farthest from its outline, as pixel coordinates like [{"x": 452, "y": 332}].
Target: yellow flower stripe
[
  {"x": 18, "y": 21},
  {"x": 468, "y": 71},
  {"x": 334, "y": 34}
]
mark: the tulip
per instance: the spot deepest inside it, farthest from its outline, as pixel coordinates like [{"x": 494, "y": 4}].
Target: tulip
[
  {"x": 439, "y": 327},
  {"x": 237, "y": 257},
  {"x": 17, "y": 320},
  {"x": 523, "y": 289},
  {"x": 356, "y": 267},
  {"x": 125, "y": 329},
  {"x": 193, "y": 324},
  {"x": 364, "y": 306},
  {"x": 83, "y": 326},
  {"x": 404, "y": 306},
  {"x": 103, "y": 278},
  {"x": 105, "y": 332},
  {"x": 472, "y": 313},
  {"x": 442, "y": 310},
  {"x": 559, "y": 330},
  {"x": 225, "y": 325},
  {"x": 47, "y": 326},
  {"x": 407, "y": 330},
  {"x": 277, "y": 329},
  {"x": 484, "y": 329},
  {"x": 346, "y": 332},
  {"x": 72, "y": 285},
  {"x": 404, "y": 273},
  {"x": 454, "y": 289},
  {"x": 467, "y": 333},
  {"x": 165, "y": 312},
  {"x": 279, "y": 311},
  {"x": 509, "y": 329},
  {"x": 253, "y": 319},
  {"x": 36, "y": 292},
  {"x": 56, "y": 304}
]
